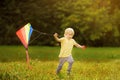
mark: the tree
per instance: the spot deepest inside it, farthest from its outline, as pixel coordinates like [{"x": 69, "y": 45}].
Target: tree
[
  {"x": 90, "y": 17},
  {"x": 96, "y": 22}
]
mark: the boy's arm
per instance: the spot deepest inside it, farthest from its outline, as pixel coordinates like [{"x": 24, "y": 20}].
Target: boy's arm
[
  {"x": 79, "y": 46},
  {"x": 56, "y": 37}
]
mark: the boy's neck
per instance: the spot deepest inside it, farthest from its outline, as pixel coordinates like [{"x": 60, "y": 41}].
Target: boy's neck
[{"x": 68, "y": 38}]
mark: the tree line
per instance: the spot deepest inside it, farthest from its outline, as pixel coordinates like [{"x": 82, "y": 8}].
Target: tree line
[{"x": 96, "y": 22}]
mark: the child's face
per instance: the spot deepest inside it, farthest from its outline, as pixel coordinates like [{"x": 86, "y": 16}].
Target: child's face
[{"x": 68, "y": 34}]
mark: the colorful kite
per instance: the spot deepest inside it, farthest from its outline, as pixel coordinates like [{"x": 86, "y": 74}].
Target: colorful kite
[{"x": 24, "y": 35}]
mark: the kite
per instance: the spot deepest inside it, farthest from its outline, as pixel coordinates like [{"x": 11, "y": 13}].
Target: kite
[{"x": 24, "y": 35}]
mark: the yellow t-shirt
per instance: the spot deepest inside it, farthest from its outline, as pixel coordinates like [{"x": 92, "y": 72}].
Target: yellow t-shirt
[{"x": 66, "y": 47}]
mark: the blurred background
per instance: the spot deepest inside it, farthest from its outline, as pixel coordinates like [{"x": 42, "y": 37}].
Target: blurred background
[{"x": 96, "y": 22}]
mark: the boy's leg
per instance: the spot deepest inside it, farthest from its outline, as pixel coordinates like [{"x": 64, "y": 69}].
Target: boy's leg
[
  {"x": 61, "y": 62},
  {"x": 70, "y": 61}
]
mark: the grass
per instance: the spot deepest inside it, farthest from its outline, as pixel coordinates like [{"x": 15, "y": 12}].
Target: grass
[{"x": 90, "y": 64}]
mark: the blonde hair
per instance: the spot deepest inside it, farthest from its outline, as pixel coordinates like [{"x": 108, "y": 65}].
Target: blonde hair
[{"x": 69, "y": 30}]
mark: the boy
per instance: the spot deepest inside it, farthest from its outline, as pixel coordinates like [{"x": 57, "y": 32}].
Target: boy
[{"x": 67, "y": 43}]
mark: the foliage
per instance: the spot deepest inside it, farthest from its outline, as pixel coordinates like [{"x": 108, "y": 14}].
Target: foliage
[{"x": 96, "y": 22}]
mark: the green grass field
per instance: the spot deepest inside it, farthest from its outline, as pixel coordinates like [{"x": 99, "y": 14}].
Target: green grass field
[{"x": 90, "y": 64}]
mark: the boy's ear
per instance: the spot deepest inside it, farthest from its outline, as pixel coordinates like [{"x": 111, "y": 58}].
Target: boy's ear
[{"x": 64, "y": 34}]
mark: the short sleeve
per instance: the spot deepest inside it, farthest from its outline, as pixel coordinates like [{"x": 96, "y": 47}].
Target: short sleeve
[
  {"x": 61, "y": 39},
  {"x": 74, "y": 42}
]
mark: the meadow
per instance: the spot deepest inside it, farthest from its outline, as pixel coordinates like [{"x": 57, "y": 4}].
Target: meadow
[{"x": 101, "y": 63}]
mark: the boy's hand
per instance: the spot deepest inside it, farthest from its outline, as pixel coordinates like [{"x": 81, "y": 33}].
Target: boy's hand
[
  {"x": 83, "y": 47},
  {"x": 55, "y": 35}
]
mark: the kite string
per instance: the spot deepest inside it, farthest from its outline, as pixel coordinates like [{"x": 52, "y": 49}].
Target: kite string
[
  {"x": 34, "y": 38},
  {"x": 40, "y": 33}
]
